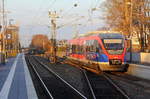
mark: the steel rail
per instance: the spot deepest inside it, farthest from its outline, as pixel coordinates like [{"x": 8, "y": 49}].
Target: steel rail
[
  {"x": 89, "y": 84},
  {"x": 128, "y": 79},
  {"x": 50, "y": 70},
  {"x": 42, "y": 82},
  {"x": 116, "y": 86},
  {"x": 109, "y": 80}
]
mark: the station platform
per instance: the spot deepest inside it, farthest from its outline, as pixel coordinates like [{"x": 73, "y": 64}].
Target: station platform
[{"x": 15, "y": 80}]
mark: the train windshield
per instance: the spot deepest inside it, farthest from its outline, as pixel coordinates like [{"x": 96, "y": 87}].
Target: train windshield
[{"x": 114, "y": 46}]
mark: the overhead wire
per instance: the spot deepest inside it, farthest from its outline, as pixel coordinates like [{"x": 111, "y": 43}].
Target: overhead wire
[
  {"x": 71, "y": 22},
  {"x": 90, "y": 14},
  {"x": 46, "y": 10},
  {"x": 51, "y": 4},
  {"x": 70, "y": 9},
  {"x": 65, "y": 13},
  {"x": 96, "y": 3},
  {"x": 35, "y": 16},
  {"x": 37, "y": 12}
]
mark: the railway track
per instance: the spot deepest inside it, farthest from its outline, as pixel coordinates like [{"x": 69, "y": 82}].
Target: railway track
[
  {"x": 101, "y": 86},
  {"x": 55, "y": 87},
  {"x": 136, "y": 81},
  {"x": 123, "y": 76},
  {"x": 136, "y": 88}
]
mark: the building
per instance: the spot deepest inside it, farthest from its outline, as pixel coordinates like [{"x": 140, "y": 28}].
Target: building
[{"x": 12, "y": 44}]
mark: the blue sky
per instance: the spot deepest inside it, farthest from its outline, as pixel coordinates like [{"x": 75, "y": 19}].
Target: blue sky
[{"x": 32, "y": 16}]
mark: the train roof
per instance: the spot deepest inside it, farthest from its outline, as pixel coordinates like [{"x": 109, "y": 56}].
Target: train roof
[
  {"x": 103, "y": 34},
  {"x": 110, "y": 35}
]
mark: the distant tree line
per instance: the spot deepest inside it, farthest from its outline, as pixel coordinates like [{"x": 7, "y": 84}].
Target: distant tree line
[{"x": 41, "y": 42}]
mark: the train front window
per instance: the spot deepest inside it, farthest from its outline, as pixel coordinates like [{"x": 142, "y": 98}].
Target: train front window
[{"x": 114, "y": 46}]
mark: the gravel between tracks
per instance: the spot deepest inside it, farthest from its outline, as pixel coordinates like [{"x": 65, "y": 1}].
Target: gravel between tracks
[
  {"x": 71, "y": 74},
  {"x": 135, "y": 88}
]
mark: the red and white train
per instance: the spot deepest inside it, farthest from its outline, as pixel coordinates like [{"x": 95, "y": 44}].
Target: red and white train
[{"x": 104, "y": 49}]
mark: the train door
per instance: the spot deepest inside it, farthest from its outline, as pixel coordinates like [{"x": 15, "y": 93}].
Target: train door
[
  {"x": 73, "y": 51},
  {"x": 87, "y": 52},
  {"x": 68, "y": 49},
  {"x": 98, "y": 50},
  {"x": 91, "y": 55},
  {"x": 86, "y": 49}
]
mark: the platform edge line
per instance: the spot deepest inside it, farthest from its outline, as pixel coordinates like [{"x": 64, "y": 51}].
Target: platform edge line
[
  {"x": 7, "y": 85},
  {"x": 29, "y": 83}
]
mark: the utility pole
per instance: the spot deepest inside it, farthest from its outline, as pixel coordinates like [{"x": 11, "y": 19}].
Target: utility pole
[
  {"x": 53, "y": 16},
  {"x": 128, "y": 22},
  {"x": 76, "y": 34},
  {"x": 131, "y": 17},
  {"x": 3, "y": 26},
  {"x": 130, "y": 2}
]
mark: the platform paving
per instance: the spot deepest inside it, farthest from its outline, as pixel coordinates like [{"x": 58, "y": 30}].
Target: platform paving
[
  {"x": 15, "y": 81},
  {"x": 4, "y": 71}
]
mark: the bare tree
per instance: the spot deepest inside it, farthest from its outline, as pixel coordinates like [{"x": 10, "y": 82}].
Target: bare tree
[
  {"x": 40, "y": 41},
  {"x": 131, "y": 17},
  {"x": 115, "y": 15}
]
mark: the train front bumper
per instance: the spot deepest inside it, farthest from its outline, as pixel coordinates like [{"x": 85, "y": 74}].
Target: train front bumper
[{"x": 108, "y": 67}]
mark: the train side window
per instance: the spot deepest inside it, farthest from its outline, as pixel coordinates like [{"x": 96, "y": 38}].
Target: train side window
[
  {"x": 74, "y": 48},
  {"x": 69, "y": 48},
  {"x": 81, "y": 49},
  {"x": 100, "y": 50},
  {"x": 98, "y": 47},
  {"x": 87, "y": 45},
  {"x": 78, "y": 49},
  {"x": 91, "y": 45},
  {"x": 94, "y": 45}
]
